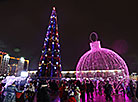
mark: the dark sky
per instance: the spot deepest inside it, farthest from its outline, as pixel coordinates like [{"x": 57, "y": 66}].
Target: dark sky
[{"x": 23, "y": 24}]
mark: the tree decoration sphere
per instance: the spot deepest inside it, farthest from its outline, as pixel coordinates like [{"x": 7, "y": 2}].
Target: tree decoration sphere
[{"x": 101, "y": 63}]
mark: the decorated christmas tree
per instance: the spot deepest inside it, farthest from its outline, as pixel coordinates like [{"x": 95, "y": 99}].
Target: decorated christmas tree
[{"x": 50, "y": 61}]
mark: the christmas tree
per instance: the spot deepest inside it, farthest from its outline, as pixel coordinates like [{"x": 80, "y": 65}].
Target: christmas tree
[{"x": 50, "y": 61}]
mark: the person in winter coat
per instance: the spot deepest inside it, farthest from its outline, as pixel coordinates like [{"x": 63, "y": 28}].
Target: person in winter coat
[
  {"x": 31, "y": 92},
  {"x": 108, "y": 91},
  {"x": 11, "y": 93},
  {"x": 65, "y": 94},
  {"x": 71, "y": 96},
  {"x": 137, "y": 90},
  {"x": 131, "y": 85},
  {"x": 100, "y": 87},
  {"x": 53, "y": 86},
  {"x": 87, "y": 88},
  {"x": 91, "y": 89},
  {"x": 83, "y": 89},
  {"x": 77, "y": 94},
  {"x": 43, "y": 94},
  {"x": 61, "y": 90},
  {"x": 1, "y": 92}
]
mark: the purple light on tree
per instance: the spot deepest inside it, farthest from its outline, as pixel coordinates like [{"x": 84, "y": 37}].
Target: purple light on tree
[{"x": 101, "y": 63}]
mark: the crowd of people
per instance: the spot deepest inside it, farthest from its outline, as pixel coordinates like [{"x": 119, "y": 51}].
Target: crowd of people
[{"x": 43, "y": 90}]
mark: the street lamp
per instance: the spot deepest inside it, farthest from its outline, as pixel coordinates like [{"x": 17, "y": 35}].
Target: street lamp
[
  {"x": 22, "y": 59},
  {"x": 7, "y": 56}
]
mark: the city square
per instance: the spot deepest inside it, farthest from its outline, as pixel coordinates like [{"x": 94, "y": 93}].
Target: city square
[{"x": 68, "y": 51}]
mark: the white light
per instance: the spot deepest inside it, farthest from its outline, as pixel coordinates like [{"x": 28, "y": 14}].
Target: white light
[
  {"x": 7, "y": 56},
  {"x": 24, "y": 74},
  {"x": 68, "y": 72},
  {"x": 39, "y": 67},
  {"x": 46, "y": 55},
  {"x": 113, "y": 73},
  {"x": 53, "y": 8},
  {"x": 90, "y": 71},
  {"x": 55, "y": 68},
  {"x": 46, "y": 39},
  {"x": 22, "y": 59},
  {"x": 73, "y": 78},
  {"x": 120, "y": 76},
  {"x": 42, "y": 61},
  {"x": 52, "y": 42},
  {"x": 49, "y": 49},
  {"x": 68, "y": 79},
  {"x": 56, "y": 62}
]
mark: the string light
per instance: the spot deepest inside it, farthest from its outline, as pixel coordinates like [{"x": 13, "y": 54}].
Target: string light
[
  {"x": 49, "y": 49},
  {"x": 42, "y": 51},
  {"x": 46, "y": 39},
  {"x": 39, "y": 67}
]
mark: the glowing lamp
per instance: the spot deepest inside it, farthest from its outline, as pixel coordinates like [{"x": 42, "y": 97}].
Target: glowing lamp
[{"x": 22, "y": 59}]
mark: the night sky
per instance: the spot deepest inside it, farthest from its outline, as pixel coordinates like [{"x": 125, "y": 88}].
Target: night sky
[{"x": 23, "y": 24}]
